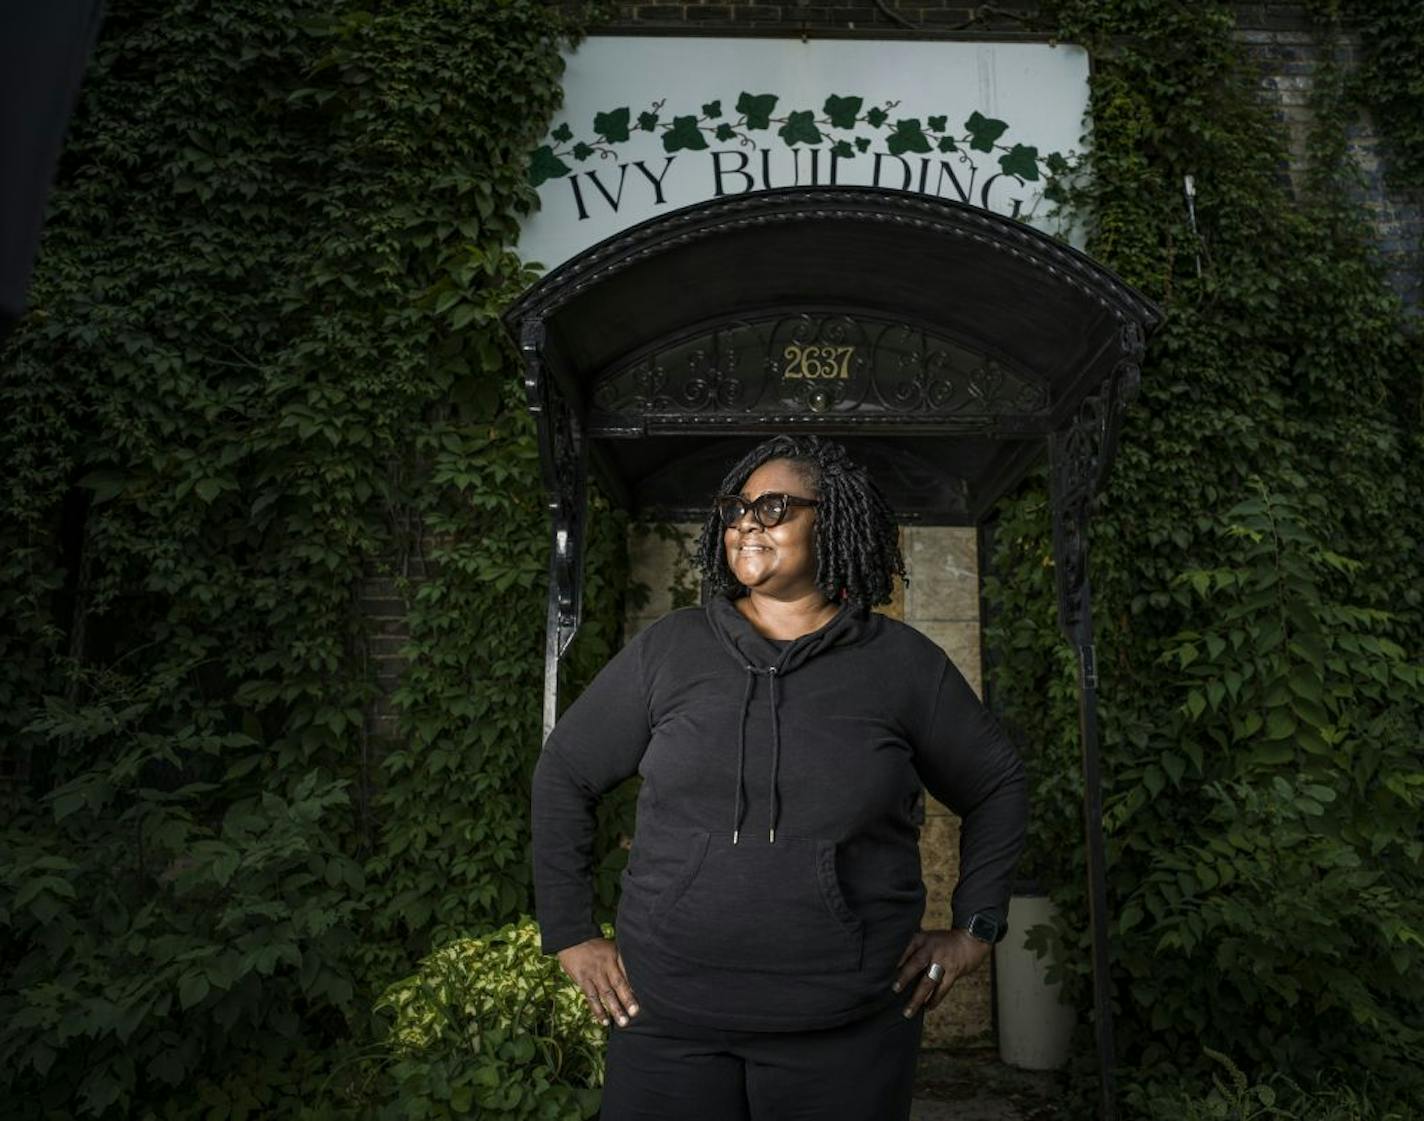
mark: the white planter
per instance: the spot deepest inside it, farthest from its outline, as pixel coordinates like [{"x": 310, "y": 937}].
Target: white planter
[{"x": 1034, "y": 1029}]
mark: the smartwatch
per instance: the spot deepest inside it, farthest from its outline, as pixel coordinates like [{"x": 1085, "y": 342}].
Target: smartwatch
[{"x": 984, "y": 926}]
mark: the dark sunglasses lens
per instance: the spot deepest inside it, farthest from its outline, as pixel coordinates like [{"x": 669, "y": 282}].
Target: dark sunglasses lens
[
  {"x": 731, "y": 510},
  {"x": 770, "y": 509}
]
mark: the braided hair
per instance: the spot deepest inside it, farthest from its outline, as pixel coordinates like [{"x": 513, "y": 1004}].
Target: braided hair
[{"x": 857, "y": 545}]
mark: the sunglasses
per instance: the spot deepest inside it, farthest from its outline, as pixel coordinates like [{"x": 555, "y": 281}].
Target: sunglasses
[{"x": 768, "y": 509}]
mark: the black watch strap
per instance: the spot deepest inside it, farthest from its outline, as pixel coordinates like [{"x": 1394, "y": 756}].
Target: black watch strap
[{"x": 985, "y": 926}]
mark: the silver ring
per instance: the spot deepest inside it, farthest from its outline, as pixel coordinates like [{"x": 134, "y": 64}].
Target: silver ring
[{"x": 935, "y": 971}]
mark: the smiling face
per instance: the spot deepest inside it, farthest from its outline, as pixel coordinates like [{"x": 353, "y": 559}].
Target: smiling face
[{"x": 779, "y": 561}]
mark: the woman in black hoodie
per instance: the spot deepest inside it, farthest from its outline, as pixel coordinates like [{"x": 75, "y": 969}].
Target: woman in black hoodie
[{"x": 776, "y": 972}]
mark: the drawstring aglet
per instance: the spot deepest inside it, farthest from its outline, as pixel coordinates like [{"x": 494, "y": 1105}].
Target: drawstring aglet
[
  {"x": 772, "y": 836},
  {"x": 734, "y": 836}
]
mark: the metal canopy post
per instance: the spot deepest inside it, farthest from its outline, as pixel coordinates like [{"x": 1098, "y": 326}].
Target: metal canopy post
[
  {"x": 563, "y": 460},
  {"x": 1080, "y": 457}
]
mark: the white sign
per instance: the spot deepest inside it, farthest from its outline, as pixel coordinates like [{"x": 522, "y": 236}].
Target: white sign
[{"x": 652, "y": 124}]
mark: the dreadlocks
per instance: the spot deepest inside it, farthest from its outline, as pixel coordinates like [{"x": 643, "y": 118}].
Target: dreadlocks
[{"x": 857, "y": 546}]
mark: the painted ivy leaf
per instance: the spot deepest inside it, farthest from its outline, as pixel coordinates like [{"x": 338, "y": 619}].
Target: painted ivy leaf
[
  {"x": 647, "y": 121},
  {"x": 726, "y": 132},
  {"x": 984, "y": 131},
  {"x": 563, "y": 134},
  {"x": 800, "y": 127},
  {"x": 876, "y": 117},
  {"x": 613, "y": 125},
  {"x": 683, "y": 134},
  {"x": 582, "y": 151},
  {"x": 907, "y": 137},
  {"x": 842, "y": 110},
  {"x": 1057, "y": 165},
  {"x": 936, "y": 124},
  {"x": 712, "y": 109},
  {"x": 1021, "y": 160},
  {"x": 545, "y": 165},
  {"x": 843, "y": 149},
  {"x": 947, "y": 144},
  {"x": 861, "y": 144},
  {"x": 756, "y": 109}
]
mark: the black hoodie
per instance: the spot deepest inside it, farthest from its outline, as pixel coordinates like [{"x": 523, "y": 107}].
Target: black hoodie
[{"x": 774, "y": 878}]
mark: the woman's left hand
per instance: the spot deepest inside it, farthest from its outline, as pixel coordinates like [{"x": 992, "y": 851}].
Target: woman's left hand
[{"x": 957, "y": 950}]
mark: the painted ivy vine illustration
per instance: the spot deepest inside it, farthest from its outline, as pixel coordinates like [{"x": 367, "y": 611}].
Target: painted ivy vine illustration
[{"x": 693, "y": 132}]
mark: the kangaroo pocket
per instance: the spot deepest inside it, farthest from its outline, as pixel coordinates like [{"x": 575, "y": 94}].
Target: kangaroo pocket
[{"x": 758, "y": 905}]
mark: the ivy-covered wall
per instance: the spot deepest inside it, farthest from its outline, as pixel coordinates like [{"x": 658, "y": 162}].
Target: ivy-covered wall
[
  {"x": 1255, "y": 570},
  {"x": 262, "y": 391},
  {"x": 260, "y": 374}
]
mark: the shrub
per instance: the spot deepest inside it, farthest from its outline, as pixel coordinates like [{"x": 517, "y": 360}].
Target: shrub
[{"x": 491, "y": 1027}]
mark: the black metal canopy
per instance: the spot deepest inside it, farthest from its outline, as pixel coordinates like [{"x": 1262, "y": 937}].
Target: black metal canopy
[
  {"x": 866, "y": 313},
  {"x": 945, "y": 346}
]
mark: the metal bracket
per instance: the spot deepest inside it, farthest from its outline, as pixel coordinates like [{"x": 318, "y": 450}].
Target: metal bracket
[{"x": 563, "y": 459}]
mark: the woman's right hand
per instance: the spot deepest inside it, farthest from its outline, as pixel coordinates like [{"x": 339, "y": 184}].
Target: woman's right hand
[{"x": 596, "y": 967}]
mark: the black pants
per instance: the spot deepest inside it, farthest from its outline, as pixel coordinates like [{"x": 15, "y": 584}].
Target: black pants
[{"x": 659, "y": 1070}]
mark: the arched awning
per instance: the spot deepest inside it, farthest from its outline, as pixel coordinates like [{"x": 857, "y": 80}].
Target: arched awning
[{"x": 864, "y": 313}]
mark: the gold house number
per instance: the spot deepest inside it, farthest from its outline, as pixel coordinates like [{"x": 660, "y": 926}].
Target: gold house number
[{"x": 818, "y": 361}]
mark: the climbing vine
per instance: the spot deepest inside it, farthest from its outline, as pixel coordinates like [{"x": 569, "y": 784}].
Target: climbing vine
[
  {"x": 262, "y": 382},
  {"x": 1388, "y": 82},
  {"x": 1256, "y": 563}
]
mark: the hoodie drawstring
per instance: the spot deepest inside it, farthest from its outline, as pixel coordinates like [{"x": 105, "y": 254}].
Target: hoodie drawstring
[
  {"x": 775, "y": 760},
  {"x": 770, "y": 671},
  {"x": 741, "y": 754}
]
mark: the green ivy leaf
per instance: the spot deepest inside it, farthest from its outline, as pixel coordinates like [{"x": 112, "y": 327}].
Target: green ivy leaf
[
  {"x": 937, "y": 124},
  {"x": 712, "y": 110},
  {"x": 983, "y": 131},
  {"x": 907, "y": 137},
  {"x": 1057, "y": 165},
  {"x": 947, "y": 144},
  {"x": 756, "y": 108},
  {"x": 684, "y": 134},
  {"x": 726, "y": 132},
  {"x": 582, "y": 151},
  {"x": 843, "y": 149},
  {"x": 563, "y": 134},
  {"x": 842, "y": 111},
  {"x": 613, "y": 125},
  {"x": 192, "y": 988},
  {"x": 647, "y": 121},
  {"x": 862, "y": 144},
  {"x": 104, "y": 484},
  {"x": 876, "y": 117},
  {"x": 1280, "y": 723},
  {"x": 1021, "y": 160},
  {"x": 800, "y": 128},
  {"x": 545, "y": 165}
]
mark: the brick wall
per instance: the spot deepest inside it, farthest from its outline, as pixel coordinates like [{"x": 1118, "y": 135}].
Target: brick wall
[
  {"x": 1287, "y": 56},
  {"x": 821, "y": 16}
]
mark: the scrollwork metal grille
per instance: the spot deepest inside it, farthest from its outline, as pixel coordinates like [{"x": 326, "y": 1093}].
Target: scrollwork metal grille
[{"x": 816, "y": 364}]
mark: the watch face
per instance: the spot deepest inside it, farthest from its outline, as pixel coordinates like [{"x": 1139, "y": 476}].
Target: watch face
[{"x": 984, "y": 928}]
